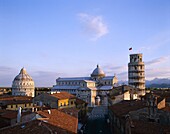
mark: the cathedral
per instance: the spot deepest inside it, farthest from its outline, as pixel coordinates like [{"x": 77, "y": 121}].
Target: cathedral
[{"x": 93, "y": 89}]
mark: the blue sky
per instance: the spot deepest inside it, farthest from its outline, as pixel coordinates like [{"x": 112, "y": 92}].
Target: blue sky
[{"x": 64, "y": 38}]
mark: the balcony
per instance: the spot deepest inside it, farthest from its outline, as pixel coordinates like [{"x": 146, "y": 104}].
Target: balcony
[
  {"x": 136, "y": 70},
  {"x": 136, "y": 81},
  {"x": 136, "y": 76}
]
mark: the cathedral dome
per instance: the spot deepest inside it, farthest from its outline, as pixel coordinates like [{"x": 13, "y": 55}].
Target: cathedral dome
[
  {"x": 98, "y": 72},
  {"x": 23, "y": 84}
]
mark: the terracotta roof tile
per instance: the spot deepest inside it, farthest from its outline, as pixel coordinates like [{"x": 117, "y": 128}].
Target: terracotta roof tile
[
  {"x": 63, "y": 95},
  {"x": 6, "y": 100},
  {"x": 10, "y": 114},
  {"x": 60, "y": 119},
  {"x": 34, "y": 127},
  {"x": 167, "y": 109},
  {"x": 57, "y": 121},
  {"x": 70, "y": 111},
  {"x": 79, "y": 101},
  {"x": 143, "y": 127},
  {"x": 124, "y": 107}
]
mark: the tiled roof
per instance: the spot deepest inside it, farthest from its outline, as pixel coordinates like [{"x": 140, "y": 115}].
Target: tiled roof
[
  {"x": 79, "y": 101},
  {"x": 105, "y": 88},
  {"x": 15, "y": 97},
  {"x": 108, "y": 78},
  {"x": 64, "y": 87},
  {"x": 15, "y": 100},
  {"x": 124, "y": 107},
  {"x": 89, "y": 81},
  {"x": 87, "y": 88},
  {"x": 35, "y": 127},
  {"x": 74, "y": 79},
  {"x": 71, "y": 111},
  {"x": 60, "y": 119},
  {"x": 143, "y": 127},
  {"x": 167, "y": 109},
  {"x": 10, "y": 114},
  {"x": 63, "y": 95}
]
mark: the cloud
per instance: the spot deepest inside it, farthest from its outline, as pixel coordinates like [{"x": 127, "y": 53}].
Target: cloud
[
  {"x": 119, "y": 71},
  {"x": 93, "y": 25},
  {"x": 7, "y": 75},
  {"x": 157, "y": 73},
  {"x": 44, "y": 78},
  {"x": 157, "y": 60}
]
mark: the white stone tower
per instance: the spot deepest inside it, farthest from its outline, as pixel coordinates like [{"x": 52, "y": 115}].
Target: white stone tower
[
  {"x": 136, "y": 72},
  {"x": 23, "y": 84}
]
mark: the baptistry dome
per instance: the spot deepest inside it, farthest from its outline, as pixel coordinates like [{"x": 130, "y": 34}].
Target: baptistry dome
[{"x": 23, "y": 84}]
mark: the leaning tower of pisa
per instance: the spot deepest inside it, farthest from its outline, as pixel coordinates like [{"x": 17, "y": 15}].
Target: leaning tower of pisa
[{"x": 136, "y": 72}]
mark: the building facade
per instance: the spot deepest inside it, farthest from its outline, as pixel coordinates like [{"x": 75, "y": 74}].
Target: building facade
[
  {"x": 136, "y": 72},
  {"x": 57, "y": 100},
  {"x": 88, "y": 88},
  {"x": 14, "y": 102},
  {"x": 123, "y": 92},
  {"x": 23, "y": 84}
]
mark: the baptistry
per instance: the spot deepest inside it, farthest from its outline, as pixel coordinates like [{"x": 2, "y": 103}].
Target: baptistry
[{"x": 23, "y": 84}]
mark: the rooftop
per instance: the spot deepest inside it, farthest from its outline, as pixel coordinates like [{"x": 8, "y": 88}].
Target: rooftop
[
  {"x": 79, "y": 101},
  {"x": 71, "y": 111},
  {"x": 74, "y": 79},
  {"x": 143, "y": 127},
  {"x": 167, "y": 109},
  {"x": 124, "y": 107},
  {"x": 60, "y": 119},
  {"x": 10, "y": 114},
  {"x": 35, "y": 127},
  {"x": 63, "y": 95},
  {"x": 64, "y": 87},
  {"x": 6, "y": 100}
]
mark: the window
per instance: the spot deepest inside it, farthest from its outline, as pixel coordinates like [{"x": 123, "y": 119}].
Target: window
[
  {"x": 135, "y": 60},
  {"x": 140, "y": 59},
  {"x": 25, "y": 105},
  {"x": 16, "y": 106},
  {"x": 71, "y": 102},
  {"x": 11, "y": 106}
]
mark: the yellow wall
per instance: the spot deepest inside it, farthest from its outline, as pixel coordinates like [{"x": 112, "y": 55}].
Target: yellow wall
[
  {"x": 16, "y": 106},
  {"x": 63, "y": 103},
  {"x": 67, "y": 103}
]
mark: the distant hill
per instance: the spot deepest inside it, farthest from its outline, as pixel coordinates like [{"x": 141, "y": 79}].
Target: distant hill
[{"x": 158, "y": 83}]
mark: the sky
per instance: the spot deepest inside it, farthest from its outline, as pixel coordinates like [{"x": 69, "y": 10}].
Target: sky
[{"x": 66, "y": 38}]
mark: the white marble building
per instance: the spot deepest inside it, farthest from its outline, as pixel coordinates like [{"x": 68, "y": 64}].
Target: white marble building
[
  {"x": 136, "y": 72},
  {"x": 90, "y": 88},
  {"x": 23, "y": 84}
]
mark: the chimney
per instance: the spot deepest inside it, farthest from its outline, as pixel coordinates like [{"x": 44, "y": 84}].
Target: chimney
[
  {"x": 40, "y": 103},
  {"x": 49, "y": 111},
  {"x": 19, "y": 115}
]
